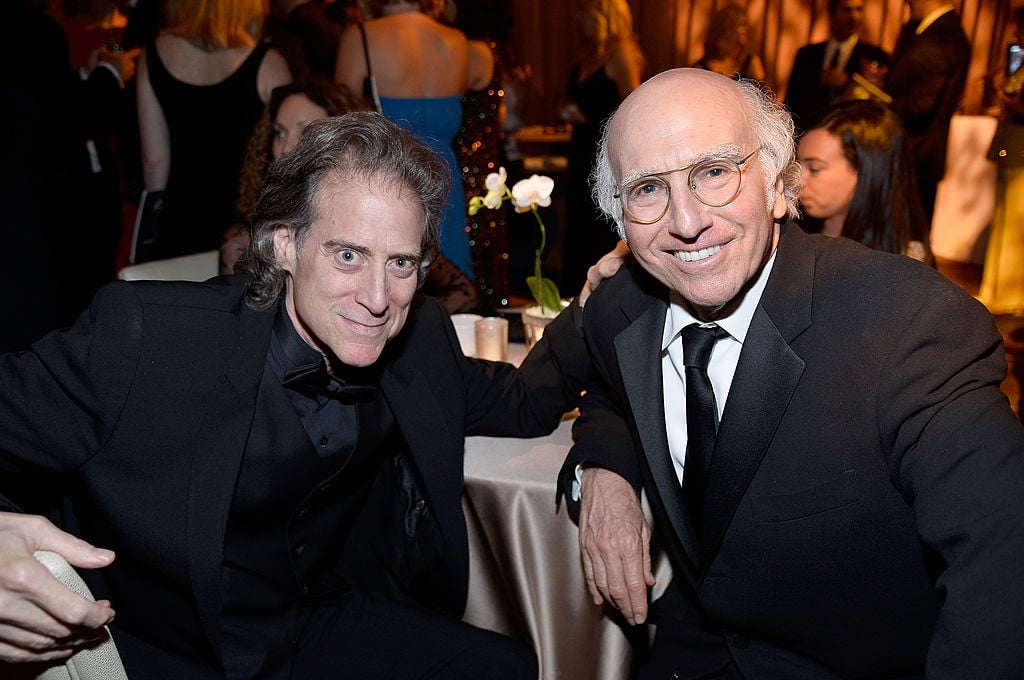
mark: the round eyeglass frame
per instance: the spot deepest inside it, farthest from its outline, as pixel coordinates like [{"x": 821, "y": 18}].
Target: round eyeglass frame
[{"x": 689, "y": 182}]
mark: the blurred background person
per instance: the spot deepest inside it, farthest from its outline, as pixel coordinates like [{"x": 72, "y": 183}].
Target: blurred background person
[
  {"x": 293, "y": 107},
  {"x": 421, "y": 70},
  {"x": 203, "y": 85},
  {"x": 610, "y": 67},
  {"x": 55, "y": 223},
  {"x": 858, "y": 180},
  {"x": 926, "y": 83},
  {"x": 305, "y": 35},
  {"x": 345, "y": 12},
  {"x": 822, "y": 71},
  {"x": 1009, "y": 85},
  {"x": 479, "y": 143},
  {"x": 90, "y": 25},
  {"x": 727, "y": 45}
]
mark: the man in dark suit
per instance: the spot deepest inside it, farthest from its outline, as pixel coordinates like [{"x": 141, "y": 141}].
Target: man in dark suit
[
  {"x": 839, "y": 488},
  {"x": 58, "y": 176},
  {"x": 822, "y": 71},
  {"x": 926, "y": 83},
  {"x": 276, "y": 459}
]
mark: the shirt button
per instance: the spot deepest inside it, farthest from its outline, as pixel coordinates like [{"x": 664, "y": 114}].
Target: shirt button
[
  {"x": 323, "y": 441},
  {"x": 300, "y": 548},
  {"x": 740, "y": 642}
]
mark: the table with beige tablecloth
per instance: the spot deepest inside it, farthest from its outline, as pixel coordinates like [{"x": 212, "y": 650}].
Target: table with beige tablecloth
[{"x": 525, "y": 577}]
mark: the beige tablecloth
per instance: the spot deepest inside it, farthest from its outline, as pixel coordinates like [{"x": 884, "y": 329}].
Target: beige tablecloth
[{"x": 525, "y": 577}]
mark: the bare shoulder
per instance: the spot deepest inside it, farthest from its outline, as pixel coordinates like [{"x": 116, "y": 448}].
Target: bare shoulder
[{"x": 273, "y": 72}]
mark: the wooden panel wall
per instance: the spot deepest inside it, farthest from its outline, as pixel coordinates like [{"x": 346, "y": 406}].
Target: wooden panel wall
[{"x": 671, "y": 32}]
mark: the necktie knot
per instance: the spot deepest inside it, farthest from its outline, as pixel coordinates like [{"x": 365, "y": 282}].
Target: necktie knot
[{"x": 698, "y": 341}]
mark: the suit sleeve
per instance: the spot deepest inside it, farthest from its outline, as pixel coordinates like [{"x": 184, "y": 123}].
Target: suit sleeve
[
  {"x": 601, "y": 433},
  {"x": 798, "y": 100},
  {"x": 921, "y": 82},
  {"x": 60, "y": 399},
  {"x": 959, "y": 460},
  {"x": 501, "y": 400}
]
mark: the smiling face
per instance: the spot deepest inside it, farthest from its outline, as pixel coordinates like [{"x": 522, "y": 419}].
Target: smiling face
[
  {"x": 708, "y": 255},
  {"x": 293, "y": 115},
  {"x": 827, "y": 181},
  {"x": 354, "y": 277}
]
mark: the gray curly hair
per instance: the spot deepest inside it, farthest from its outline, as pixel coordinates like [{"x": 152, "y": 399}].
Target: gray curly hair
[
  {"x": 362, "y": 145},
  {"x": 770, "y": 123}
]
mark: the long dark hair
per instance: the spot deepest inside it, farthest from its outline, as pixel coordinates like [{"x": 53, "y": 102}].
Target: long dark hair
[
  {"x": 885, "y": 212},
  {"x": 333, "y": 98}
]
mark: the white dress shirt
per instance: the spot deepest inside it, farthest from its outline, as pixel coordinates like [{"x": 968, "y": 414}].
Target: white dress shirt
[
  {"x": 844, "y": 48},
  {"x": 721, "y": 367},
  {"x": 724, "y": 357}
]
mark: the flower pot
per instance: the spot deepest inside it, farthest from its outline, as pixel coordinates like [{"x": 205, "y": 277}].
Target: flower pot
[{"x": 535, "y": 318}]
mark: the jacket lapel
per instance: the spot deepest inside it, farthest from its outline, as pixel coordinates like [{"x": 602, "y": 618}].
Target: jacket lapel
[
  {"x": 425, "y": 427},
  {"x": 766, "y": 376},
  {"x": 638, "y": 349},
  {"x": 215, "y": 465}
]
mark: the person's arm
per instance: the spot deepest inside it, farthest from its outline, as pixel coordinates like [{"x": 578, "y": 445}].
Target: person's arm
[
  {"x": 756, "y": 66},
  {"x": 78, "y": 378},
  {"x": 154, "y": 135},
  {"x": 481, "y": 64},
  {"x": 615, "y": 543},
  {"x": 925, "y": 72},
  {"x": 350, "y": 69},
  {"x": 958, "y": 458},
  {"x": 273, "y": 73},
  {"x": 40, "y": 619},
  {"x": 624, "y": 68}
]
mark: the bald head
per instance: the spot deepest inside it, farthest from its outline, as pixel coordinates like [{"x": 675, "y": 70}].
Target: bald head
[
  {"x": 676, "y": 106},
  {"x": 685, "y": 113}
]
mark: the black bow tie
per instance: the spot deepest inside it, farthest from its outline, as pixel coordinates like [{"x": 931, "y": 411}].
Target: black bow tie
[{"x": 313, "y": 380}]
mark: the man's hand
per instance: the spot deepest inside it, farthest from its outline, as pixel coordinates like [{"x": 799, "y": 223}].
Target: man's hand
[
  {"x": 615, "y": 543},
  {"x": 836, "y": 78},
  {"x": 605, "y": 268},
  {"x": 124, "y": 62},
  {"x": 40, "y": 619}
]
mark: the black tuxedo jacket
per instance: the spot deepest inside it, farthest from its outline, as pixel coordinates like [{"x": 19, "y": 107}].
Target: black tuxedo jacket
[
  {"x": 806, "y": 97},
  {"x": 140, "y": 416},
  {"x": 927, "y": 80},
  {"x": 864, "y": 513}
]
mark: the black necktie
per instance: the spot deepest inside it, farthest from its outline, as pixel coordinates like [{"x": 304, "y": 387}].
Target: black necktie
[
  {"x": 701, "y": 413},
  {"x": 834, "y": 62}
]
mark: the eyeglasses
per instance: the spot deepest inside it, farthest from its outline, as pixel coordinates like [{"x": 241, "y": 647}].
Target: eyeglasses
[{"x": 714, "y": 182}]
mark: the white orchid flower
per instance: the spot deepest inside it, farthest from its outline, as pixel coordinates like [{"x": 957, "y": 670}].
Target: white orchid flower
[
  {"x": 496, "y": 189},
  {"x": 535, "y": 191},
  {"x": 495, "y": 181}
]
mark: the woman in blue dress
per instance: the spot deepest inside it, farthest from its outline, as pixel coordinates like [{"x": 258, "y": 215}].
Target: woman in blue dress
[{"x": 420, "y": 68}]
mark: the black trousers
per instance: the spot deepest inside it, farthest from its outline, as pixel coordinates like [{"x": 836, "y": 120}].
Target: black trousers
[{"x": 366, "y": 635}]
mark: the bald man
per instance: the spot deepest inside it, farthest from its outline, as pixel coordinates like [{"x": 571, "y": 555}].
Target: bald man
[{"x": 837, "y": 481}]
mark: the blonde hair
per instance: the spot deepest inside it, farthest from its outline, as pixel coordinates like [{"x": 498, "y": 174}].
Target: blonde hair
[
  {"x": 616, "y": 18},
  {"x": 215, "y": 24}
]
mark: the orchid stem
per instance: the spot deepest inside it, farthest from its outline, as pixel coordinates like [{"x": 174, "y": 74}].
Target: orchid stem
[{"x": 543, "y": 242}]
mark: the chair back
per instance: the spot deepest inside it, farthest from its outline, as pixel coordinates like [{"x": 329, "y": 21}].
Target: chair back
[
  {"x": 197, "y": 267},
  {"x": 100, "y": 662}
]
